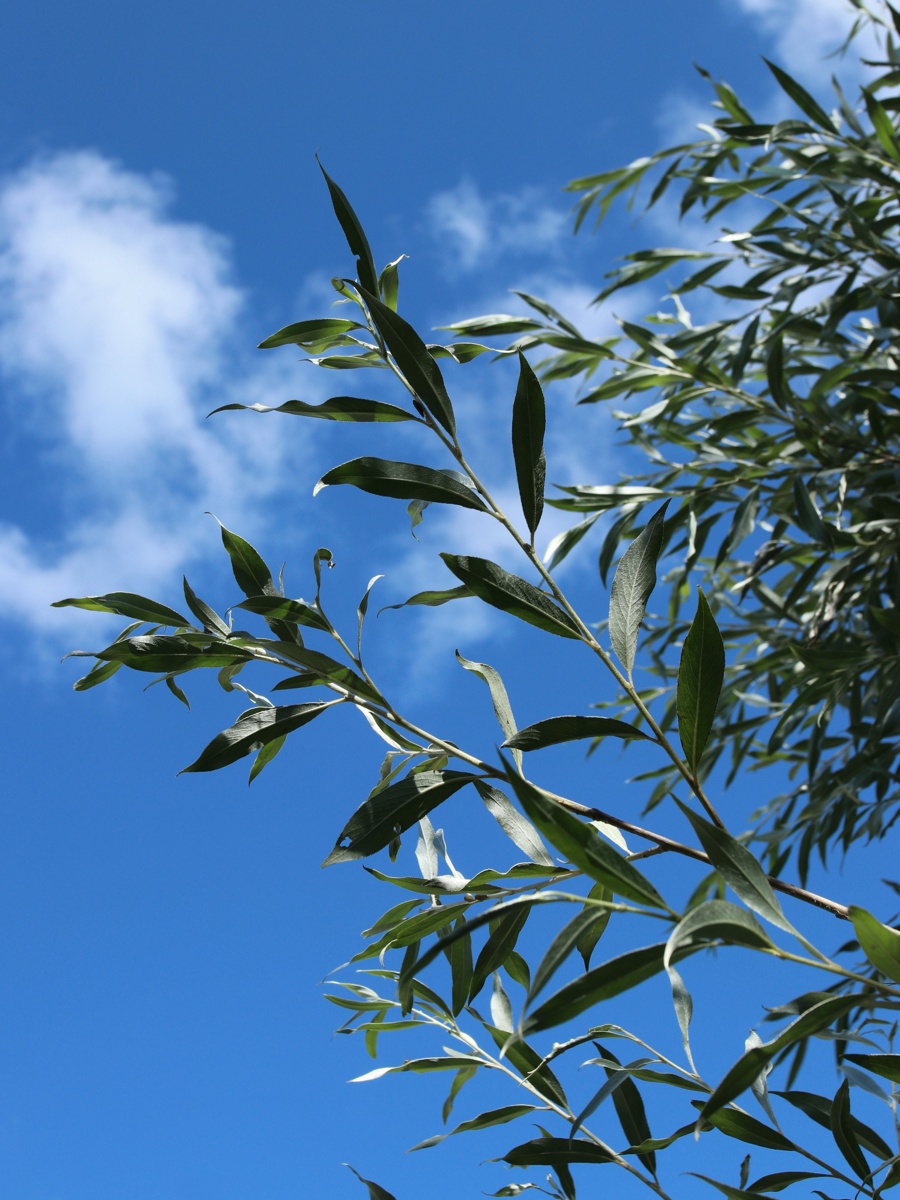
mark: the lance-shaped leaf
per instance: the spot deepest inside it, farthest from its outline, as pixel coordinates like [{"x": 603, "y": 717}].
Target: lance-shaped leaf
[
  {"x": 744, "y": 1128},
  {"x": 376, "y": 1191},
  {"x": 499, "y": 697},
  {"x": 556, "y": 1152},
  {"x": 485, "y": 1120},
  {"x": 528, "y": 423},
  {"x": 880, "y": 943},
  {"x": 127, "y": 604},
  {"x": 391, "y": 811},
  {"x": 634, "y": 580},
  {"x": 209, "y": 619},
  {"x": 593, "y": 987},
  {"x": 295, "y": 612},
  {"x": 751, "y": 1064},
  {"x": 885, "y": 1065},
  {"x": 511, "y": 594},
  {"x": 252, "y": 575},
  {"x": 161, "y": 654},
  {"x": 252, "y": 730},
  {"x": 739, "y": 868},
  {"x": 842, "y": 1131},
  {"x": 818, "y": 1109},
  {"x": 327, "y": 669},
  {"x": 354, "y": 233},
  {"x": 413, "y": 358},
  {"x": 630, "y": 1110},
  {"x": 519, "y": 830},
  {"x": 801, "y": 97},
  {"x": 338, "y": 408},
  {"x": 403, "y": 481},
  {"x": 501, "y": 943},
  {"x": 563, "y": 944},
  {"x": 432, "y": 597},
  {"x": 318, "y": 334},
  {"x": 700, "y": 676},
  {"x": 569, "y": 729},
  {"x": 583, "y": 846}
]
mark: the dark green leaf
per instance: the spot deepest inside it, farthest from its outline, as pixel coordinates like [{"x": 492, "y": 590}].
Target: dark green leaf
[
  {"x": 264, "y": 757},
  {"x": 880, "y": 943},
  {"x": 818, "y": 1109},
  {"x": 801, "y": 97},
  {"x": 630, "y": 1110},
  {"x": 511, "y": 594},
  {"x": 98, "y": 674},
  {"x": 583, "y": 846},
  {"x": 250, "y": 571},
  {"x": 327, "y": 669},
  {"x": 745, "y": 1128},
  {"x": 556, "y": 1152},
  {"x": 780, "y": 1180},
  {"x": 740, "y": 870},
  {"x": 700, "y": 676},
  {"x": 564, "y": 542},
  {"x": 842, "y": 1131},
  {"x": 885, "y": 1065},
  {"x": 460, "y": 956},
  {"x": 564, "y": 943},
  {"x": 294, "y": 612},
  {"x": 432, "y": 598},
  {"x": 528, "y": 422},
  {"x": 599, "y": 984},
  {"x": 127, "y": 604},
  {"x": 376, "y": 1192},
  {"x": 414, "y": 360},
  {"x": 881, "y": 123},
  {"x": 389, "y": 812},
  {"x": 594, "y": 931},
  {"x": 354, "y": 233},
  {"x": 253, "y": 730},
  {"x": 403, "y": 481},
  {"x": 485, "y": 1120},
  {"x": 634, "y": 580},
  {"x": 338, "y": 408},
  {"x": 161, "y": 654},
  {"x": 554, "y": 730},
  {"x": 209, "y": 619},
  {"x": 315, "y": 335},
  {"x": 502, "y": 941}
]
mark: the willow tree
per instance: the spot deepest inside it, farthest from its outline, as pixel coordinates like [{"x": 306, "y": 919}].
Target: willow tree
[{"x": 769, "y": 425}]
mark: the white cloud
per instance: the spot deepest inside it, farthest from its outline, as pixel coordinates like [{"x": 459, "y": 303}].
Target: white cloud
[
  {"x": 806, "y": 32},
  {"x": 117, "y": 327},
  {"x": 474, "y": 229}
]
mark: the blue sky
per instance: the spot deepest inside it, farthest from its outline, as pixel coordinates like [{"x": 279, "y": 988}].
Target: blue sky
[{"x": 163, "y": 939}]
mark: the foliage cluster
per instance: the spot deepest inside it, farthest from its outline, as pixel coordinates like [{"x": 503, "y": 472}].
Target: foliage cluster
[{"x": 771, "y": 442}]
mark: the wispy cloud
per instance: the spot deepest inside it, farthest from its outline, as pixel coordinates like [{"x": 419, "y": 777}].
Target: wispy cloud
[
  {"x": 475, "y": 230},
  {"x": 117, "y": 324},
  {"x": 806, "y": 33}
]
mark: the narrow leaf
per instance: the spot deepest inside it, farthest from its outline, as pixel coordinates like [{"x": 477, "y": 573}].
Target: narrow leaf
[
  {"x": 403, "y": 481},
  {"x": 209, "y": 619},
  {"x": 252, "y": 730},
  {"x": 311, "y": 334},
  {"x": 391, "y": 811},
  {"x": 485, "y": 1120},
  {"x": 700, "y": 676},
  {"x": 801, "y": 97},
  {"x": 634, "y": 580},
  {"x": 127, "y": 604},
  {"x": 511, "y": 594},
  {"x": 376, "y": 1192},
  {"x": 630, "y": 1110},
  {"x": 338, "y": 408},
  {"x": 842, "y": 1131},
  {"x": 562, "y": 946},
  {"x": 880, "y": 943},
  {"x": 295, "y": 612},
  {"x": 354, "y": 233},
  {"x": 413, "y": 358},
  {"x": 519, "y": 830},
  {"x": 498, "y": 947},
  {"x": 252, "y": 575},
  {"x": 555, "y": 730},
  {"x": 556, "y": 1152},
  {"x": 885, "y": 1065},
  {"x": 528, "y": 423}
]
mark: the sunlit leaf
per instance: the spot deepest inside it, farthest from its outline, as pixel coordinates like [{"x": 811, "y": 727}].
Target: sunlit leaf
[
  {"x": 700, "y": 676},
  {"x": 127, "y": 604},
  {"x": 528, "y": 423},
  {"x": 555, "y": 730},
  {"x": 634, "y": 580},
  {"x": 403, "y": 481},
  {"x": 253, "y": 730},
  {"x": 511, "y": 594},
  {"x": 880, "y": 943}
]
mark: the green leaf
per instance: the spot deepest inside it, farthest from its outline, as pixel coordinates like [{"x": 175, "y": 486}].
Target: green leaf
[
  {"x": 252, "y": 575},
  {"x": 779, "y": 1180},
  {"x": 745, "y": 1128},
  {"x": 881, "y": 123},
  {"x": 630, "y": 1110},
  {"x": 253, "y": 730},
  {"x": 210, "y": 620},
  {"x": 499, "y": 697},
  {"x": 594, "y": 986},
  {"x": 485, "y": 1120},
  {"x": 459, "y": 954},
  {"x": 528, "y": 423},
  {"x": 842, "y": 1132},
  {"x": 560, "y": 546},
  {"x": 753, "y": 1062},
  {"x": 315, "y": 335},
  {"x": 511, "y": 594},
  {"x": 880, "y": 943},
  {"x": 327, "y": 669},
  {"x": 556, "y": 1152},
  {"x": 391, "y": 811},
  {"x": 389, "y": 283},
  {"x": 801, "y": 97},
  {"x": 634, "y": 580},
  {"x": 818, "y": 1109},
  {"x": 403, "y": 481},
  {"x": 583, "y": 846},
  {"x": 127, "y": 604},
  {"x": 264, "y": 757},
  {"x": 591, "y": 935},
  {"x": 338, "y": 408},
  {"x": 564, "y": 943},
  {"x": 376, "y": 1192},
  {"x": 555, "y": 730},
  {"x": 739, "y": 868},
  {"x": 413, "y": 358},
  {"x": 177, "y": 692},
  {"x": 354, "y": 233},
  {"x": 731, "y": 1193},
  {"x": 98, "y": 674},
  {"x": 500, "y": 944},
  {"x": 161, "y": 654},
  {"x": 885, "y": 1065},
  {"x": 295, "y": 612},
  {"x": 700, "y": 676},
  {"x": 432, "y": 597},
  {"x": 519, "y": 830}
]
